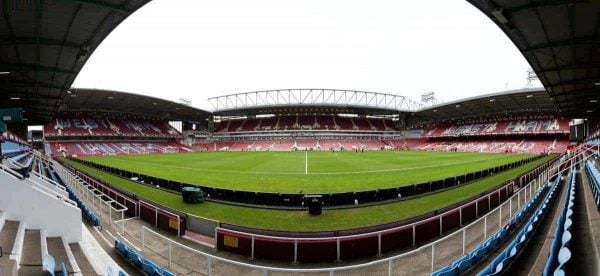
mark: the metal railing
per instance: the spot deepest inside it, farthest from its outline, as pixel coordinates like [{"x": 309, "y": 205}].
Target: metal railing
[{"x": 93, "y": 195}]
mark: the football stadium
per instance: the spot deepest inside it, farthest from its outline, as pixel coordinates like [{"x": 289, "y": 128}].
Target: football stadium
[{"x": 298, "y": 181}]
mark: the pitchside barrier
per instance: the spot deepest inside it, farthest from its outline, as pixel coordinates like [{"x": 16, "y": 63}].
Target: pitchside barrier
[
  {"x": 294, "y": 201},
  {"x": 369, "y": 242},
  {"x": 201, "y": 225}
]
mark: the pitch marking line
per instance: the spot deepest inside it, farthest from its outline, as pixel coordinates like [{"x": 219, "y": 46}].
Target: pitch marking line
[
  {"x": 318, "y": 173},
  {"x": 306, "y": 162}
]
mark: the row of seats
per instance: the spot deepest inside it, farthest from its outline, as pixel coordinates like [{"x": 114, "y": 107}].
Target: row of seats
[
  {"x": 508, "y": 255},
  {"x": 559, "y": 251},
  {"x": 145, "y": 265},
  {"x": 472, "y": 258},
  {"x": 22, "y": 163},
  {"x": 88, "y": 213},
  {"x": 49, "y": 267},
  {"x": 594, "y": 177}
]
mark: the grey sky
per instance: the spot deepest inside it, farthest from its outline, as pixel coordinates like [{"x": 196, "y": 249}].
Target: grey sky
[{"x": 198, "y": 49}]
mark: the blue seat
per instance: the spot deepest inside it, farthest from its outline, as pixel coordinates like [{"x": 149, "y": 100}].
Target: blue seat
[
  {"x": 63, "y": 270},
  {"x": 446, "y": 271},
  {"x": 48, "y": 264},
  {"x": 465, "y": 264},
  {"x": 151, "y": 268},
  {"x": 455, "y": 263},
  {"x": 441, "y": 270},
  {"x": 139, "y": 261},
  {"x": 167, "y": 273}
]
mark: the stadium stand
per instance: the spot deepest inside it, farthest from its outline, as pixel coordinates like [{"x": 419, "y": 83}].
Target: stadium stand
[
  {"x": 305, "y": 122},
  {"x": 501, "y": 262},
  {"x": 594, "y": 177},
  {"x": 84, "y": 148},
  {"x": 144, "y": 265},
  {"x": 548, "y": 125},
  {"x": 466, "y": 262},
  {"x": 559, "y": 252},
  {"x": 35, "y": 242},
  {"x": 103, "y": 127}
]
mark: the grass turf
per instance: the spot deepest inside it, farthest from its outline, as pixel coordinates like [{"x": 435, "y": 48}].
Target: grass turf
[
  {"x": 300, "y": 220},
  {"x": 307, "y": 172}
]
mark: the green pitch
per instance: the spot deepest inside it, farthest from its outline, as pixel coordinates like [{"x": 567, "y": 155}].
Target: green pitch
[
  {"x": 300, "y": 220},
  {"x": 307, "y": 172}
]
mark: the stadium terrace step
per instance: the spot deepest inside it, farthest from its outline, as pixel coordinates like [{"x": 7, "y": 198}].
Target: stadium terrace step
[
  {"x": 60, "y": 251},
  {"x": 582, "y": 244},
  {"x": 8, "y": 239},
  {"x": 85, "y": 267},
  {"x": 31, "y": 258}
]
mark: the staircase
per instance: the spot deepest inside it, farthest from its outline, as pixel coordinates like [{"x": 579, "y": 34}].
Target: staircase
[{"x": 26, "y": 251}]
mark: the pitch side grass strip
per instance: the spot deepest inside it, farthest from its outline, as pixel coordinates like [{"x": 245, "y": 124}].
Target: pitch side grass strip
[
  {"x": 328, "y": 172},
  {"x": 300, "y": 220}
]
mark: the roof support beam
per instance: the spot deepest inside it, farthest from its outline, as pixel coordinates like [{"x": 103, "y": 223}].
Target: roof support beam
[
  {"x": 30, "y": 67},
  {"x": 564, "y": 43},
  {"x": 584, "y": 81},
  {"x": 103, "y": 4},
  {"x": 6, "y": 41},
  {"x": 541, "y": 4},
  {"x": 19, "y": 84},
  {"x": 569, "y": 67}
]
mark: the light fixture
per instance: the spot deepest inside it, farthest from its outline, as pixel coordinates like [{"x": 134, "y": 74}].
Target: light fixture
[
  {"x": 15, "y": 98},
  {"x": 458, "y": 105},
  {"x": 69, "y": 92},
  {"x": 593, "y": 101},
  {"x": 492, "y": 100},
  {"x": 110, "y": 97},
  {"x": 500, "y": 16},
  {"x": 4, "y": 73},
  {"x": 530, "y": 96},
  {"x": 590, "y": 111},
  {"x": 597, "y": 83}
]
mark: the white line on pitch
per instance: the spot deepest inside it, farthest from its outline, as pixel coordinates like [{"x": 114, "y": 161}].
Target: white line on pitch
[{"x": 306, "y": 163}]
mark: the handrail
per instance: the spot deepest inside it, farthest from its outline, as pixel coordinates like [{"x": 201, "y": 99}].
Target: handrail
[
  {"x": 43, "y": 177},
  {"x": 50, "y": 191},
  {"x": 11, "y": 172}
]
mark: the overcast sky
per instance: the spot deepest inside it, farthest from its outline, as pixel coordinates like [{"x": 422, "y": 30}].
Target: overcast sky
[{"x": 198, "y": 49}]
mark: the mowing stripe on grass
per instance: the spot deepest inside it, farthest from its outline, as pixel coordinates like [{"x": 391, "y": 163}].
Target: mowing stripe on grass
[{"x": 306, "y": 167}]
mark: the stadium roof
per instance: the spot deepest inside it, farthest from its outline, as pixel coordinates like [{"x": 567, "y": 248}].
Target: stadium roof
[
  {"x": 107, "y": 103},
  {"x": 44, "y": 45},
  {"x": 560, "y": 41},
  {"x": 514, "y": 102},
  {"x": 290, "y": 101}
]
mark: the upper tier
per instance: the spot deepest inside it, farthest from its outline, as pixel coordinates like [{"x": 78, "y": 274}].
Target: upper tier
[
  {"x": 95, "y": 127},
  {"x": 306, "y": 122},
  {"x": 503, "y": 127}
]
